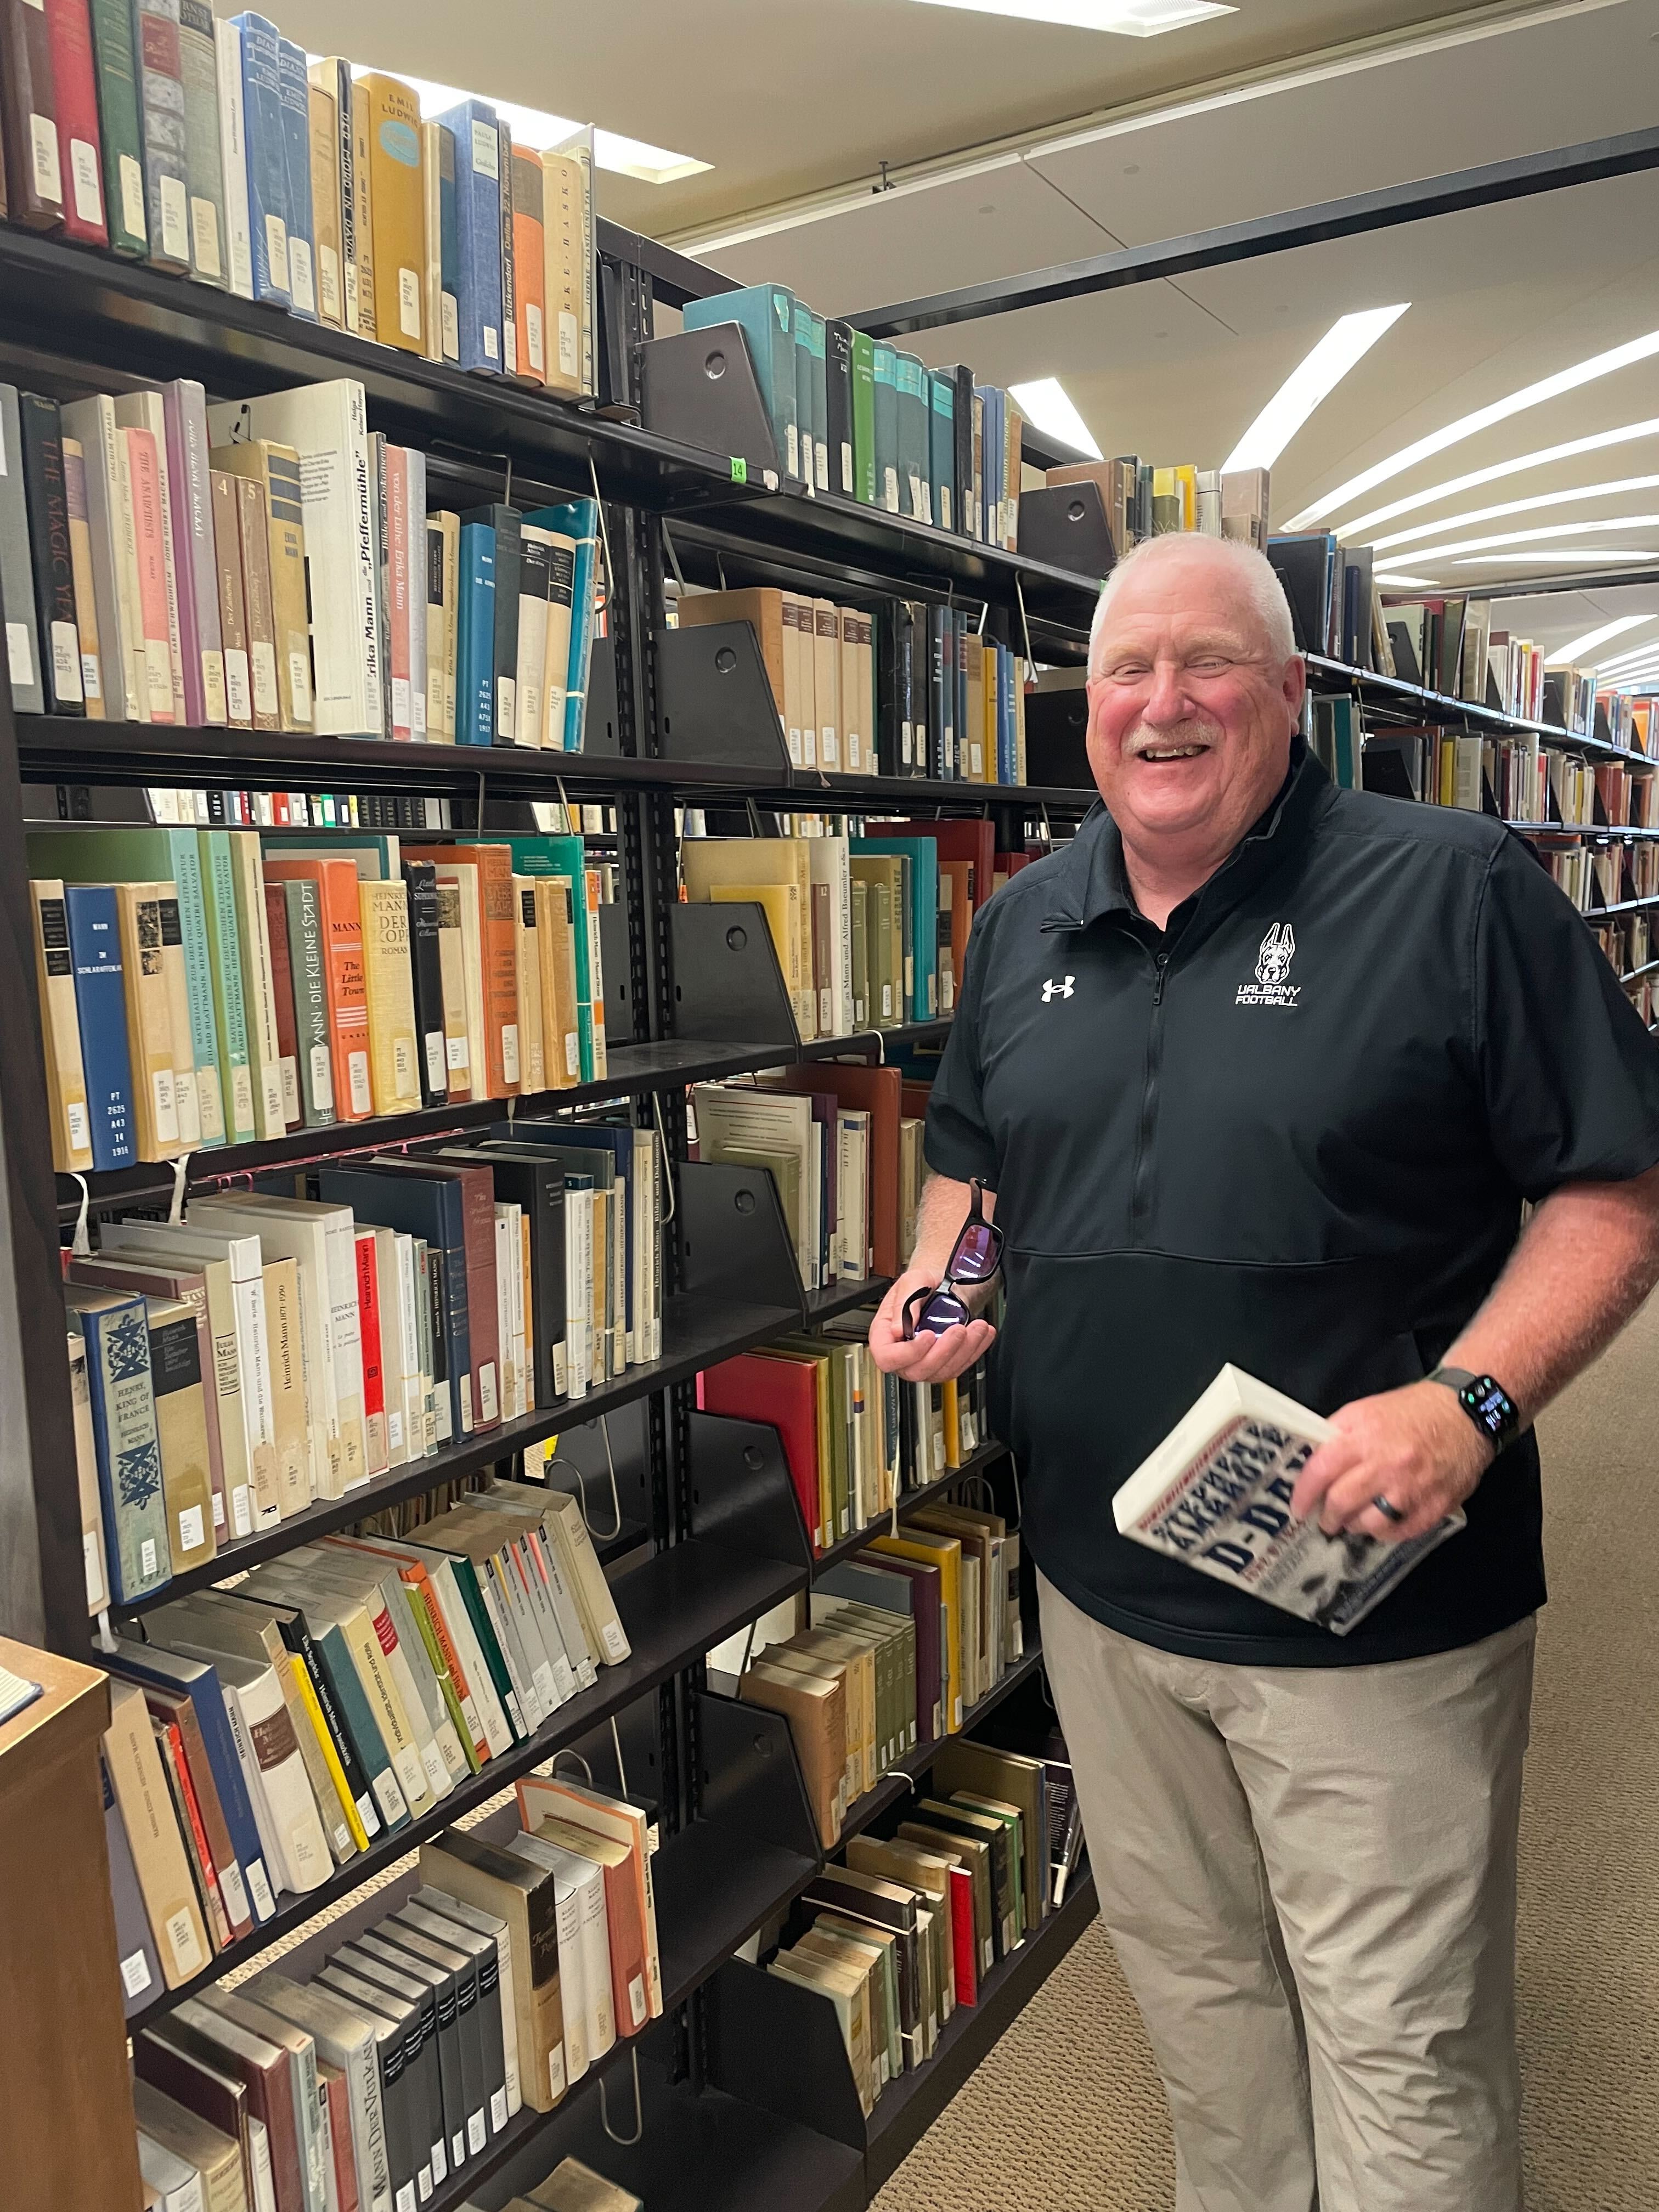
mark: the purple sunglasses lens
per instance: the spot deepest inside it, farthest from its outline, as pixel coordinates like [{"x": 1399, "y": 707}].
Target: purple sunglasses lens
[
  {"x": 977, "y": 1254},
  {"x": 942, "y": 1311}
]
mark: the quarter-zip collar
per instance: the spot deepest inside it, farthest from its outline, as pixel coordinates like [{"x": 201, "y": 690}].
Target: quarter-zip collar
[{"x": 1092, "y": 880}]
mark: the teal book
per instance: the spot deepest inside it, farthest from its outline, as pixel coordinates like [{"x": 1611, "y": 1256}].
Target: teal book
[
  {"x": 885, "y": 376},
  {"x": 116, "y": 65},
  {"x": 864, "y": 418},
  {"x": 942, "y": 448},
  {"x": 475, "y": 643},
  {"x": 914, "y": 463},
  {"x": 922, "y": 985},
  {"x": 567, "y": 856},
  {"x": 804, "y": 394},
  {"x": 116, "y": 1326},
  {"x": 225, "y": 958},
  {"x": 766, "y": 315}
]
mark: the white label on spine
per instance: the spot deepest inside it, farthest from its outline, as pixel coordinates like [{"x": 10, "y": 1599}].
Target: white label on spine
[
  {"x": 213, "y": 686},
  {"x": 510, "y": 348},
  {"x": 568, "y": 344},
  {"x": 192, "y": 1529},
  {"x": 532, "y": 332},
  {"x": 132, "y": 198},
  {"x": 404, "y": 1078},
  {"x": 573, "y": 1053},
  {"x": 239, "y": 704},
  {"x": 636, "y": 1999},
  {"x": 83, "y": 176},
  {"x": 507, "y": 691},
  {"x": 48, "y": 178},
  {"x": 241, "y": 1511},
  {"x": 510, "y": 1050},
  {"x": 556, "y": 2070},
  {"x": 205, "y": 231},
  {"x": 889, "y": 490},
  {"x": 135, "y": 1976},
  {"x": 266, "y": 698},
  {"x": 406, "y": 2197},
  {"x": 394, "y": 1431},
  {"x": 439, "y": 2163},
  {"x": 409, "y": 303},
  {"x": 182, "y": 1941},
  {"x": 458, "y": 1056},
  {"x": 418, "y": 713},
  {"x": 94, "y": 1570},
  {"x": 299, "y": 274},
  {"x": 230, "y": 1881},
  {"x": 299, "y": 678},
  {"x": 436, "y": 1772},
  {"x": 791, "y": 437},
  {"x": 486, "y": 150},
  {"x": 357, "y": 1077},
  {"x": 175, "y": 219},
  {"x": 265, "y": 1903},
  {"x": 435, "y": 1069},
  {"x": 92, "y": 680},
  {"x": 488, "y": 1404},
  {"x": 322, "y": 1078},
  {"x": 491, "y": 349},
  {"x": 452, "y": 326},
  {"x": 147, "y": 1558},
  {"x": 400, "y": 702},
  {"x": 66, "y": 660},
  {"x": 18, "y": 655},
  {"x": 497, "y": 2111},
  {"x": 276, "y": 250},
  {"x": 475, "y": 2137}
]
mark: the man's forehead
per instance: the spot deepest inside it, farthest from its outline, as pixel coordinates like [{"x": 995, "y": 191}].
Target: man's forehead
[{"x": 1178, "y": 601}]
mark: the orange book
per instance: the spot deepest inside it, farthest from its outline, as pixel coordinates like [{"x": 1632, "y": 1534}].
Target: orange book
[
  {"x": 529, "y": 277},
  {"x": 347, "y": 996},
  {"x": 157, "y": 648},
  {"x": 500, "y": 959}
]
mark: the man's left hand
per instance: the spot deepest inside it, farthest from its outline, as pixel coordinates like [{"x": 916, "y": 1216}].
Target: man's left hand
[{"x": 1415, "y": 1446}]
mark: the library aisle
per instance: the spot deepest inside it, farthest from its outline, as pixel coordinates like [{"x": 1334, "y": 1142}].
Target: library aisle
[{"x": 1032, "y": 2123}]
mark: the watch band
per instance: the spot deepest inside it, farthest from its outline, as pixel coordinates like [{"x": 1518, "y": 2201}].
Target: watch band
[{"x": 1486, "y": 1402}]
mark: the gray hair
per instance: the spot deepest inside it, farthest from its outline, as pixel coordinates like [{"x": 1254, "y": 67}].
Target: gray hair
[{"x": 1252, "y": 572}]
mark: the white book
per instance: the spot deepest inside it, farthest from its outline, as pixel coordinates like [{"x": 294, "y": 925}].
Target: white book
[
  {"x": 601, "y": 1622},
  {"x": 578, "y": 1285},
  {"x": 532, "y": 654},
  {"x": 574, "y": 2001},
  {"x": 512, "y": 1402},
  {"x": 524, "y": 1701},
  {"x": 193, "y": 505},
  {"x": 416, "y": 1387},
  {"x": 1216, "y": 1494},
  {"x": 566, "y": 1613},
  {"x": 327, "y": 425},
  {"x": 538, "y": 1599},
  {"x": 852, "y": 1194},
  {"x": 509, "y": 1580},
  {"x": 178, "y": 2187},
  {"x": 146, "y": 411},
  {"x": 346, "y": 2039},
  {"x": 829, "y": 863},
  {"x": 601, "y": 2019},
  {"x": 233, "y": 139},
  {"x": 93, "y": 422},
  {"x": 387, "y": 1278},
  {"x": 463, "y": 875}
]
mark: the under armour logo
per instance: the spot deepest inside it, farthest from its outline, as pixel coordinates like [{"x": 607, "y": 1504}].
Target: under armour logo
[{"x": 1060, "y": 990}]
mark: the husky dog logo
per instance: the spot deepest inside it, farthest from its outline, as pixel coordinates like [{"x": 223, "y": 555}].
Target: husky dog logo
[
  {"x": 1273, "y": 960},
  {"x": 1272, "y": 986}
]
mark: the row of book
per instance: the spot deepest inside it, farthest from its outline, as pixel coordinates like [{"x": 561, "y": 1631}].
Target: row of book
[
  {"x": 214, "y": 150},
  {"x": 163, "y": 561},
  {"x": 1518, "y": 779},
  {"x": 199, "y": 987},
  {"x": 264, "y": 1736},
  {"x": 1597, "y": 876},
  {"x": 392, "y": 2068},
  {"x": 269, "y": 1350},
  {"x": 913, "y": 690},
  {"x": 856, "y": 1442},
  {"x": 1142, "y": 501},
  {"x": 1449, "y": 644},
  {"x": 870, "y": 933},
  {"x": 853, "y": 415},
  {"x": 905, "y": 1927},
  {"x": 1627, "y": 941},
  {"x": 905, "y": 1638}
]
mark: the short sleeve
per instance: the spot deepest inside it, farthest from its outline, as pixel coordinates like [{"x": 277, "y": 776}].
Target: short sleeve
[
  {"x": 1569, "y": 1072},
  {"x": 956, "y": 1140}
]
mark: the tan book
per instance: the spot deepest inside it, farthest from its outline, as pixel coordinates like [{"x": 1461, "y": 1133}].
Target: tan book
[
  {"x": 857, "y": 737},
  {"x": 264, "y": 1054},
  {"x": 526, "y": 943},
  {"x": 158, "y": 1849},
  {"x": 849, "y": 1986},
  {"x": 181, "y": 1419},
  {"x": 233, "y": 613},
  {"x": 763, "y": 608},
  {"x": 326, "y": 206},
  {"x": 287, "y": 1384},
  {"x": 265, "y": 692},
  {"x": 276, "y": 468},
  {"x": 564, "y": 229},
  {"x": 781, "y": 905},
  {"x": 86, "y": 603},
  {"x": 573, "y": 2187},
  {"x": 601, "y": 1622},
  {"x": 524, "y": 1896},
  {"x": 149, "y": 1019},
  {"x": 432, "y": 194},
  {"x": 389, "y": 986},
  {"x": 60, "y": 1030},
  {"x": 800, "y": 709},
  {"x": 975, "y": 764},
  {"x": 826, "y": 683},
  {"x": 217, "y": 2157},
  {"x": 815, "y": 1707},
  {"x": 396, "y": 210},
  {"x": 362, "y": 185},
  {"x": 556, "y": 945},
  {"x": 450, "y": 524},
  {"x": 453, "y": 977}
]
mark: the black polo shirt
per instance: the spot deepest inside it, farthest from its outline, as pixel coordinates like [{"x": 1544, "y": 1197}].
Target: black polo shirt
[{"x": 1292, "y": 1131}]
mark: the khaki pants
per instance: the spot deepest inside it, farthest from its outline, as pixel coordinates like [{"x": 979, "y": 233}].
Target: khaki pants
[{"x": 1309, "y": 1876}]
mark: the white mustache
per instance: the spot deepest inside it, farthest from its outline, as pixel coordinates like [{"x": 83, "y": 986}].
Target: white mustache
[{"x": 1143, "y": 740}]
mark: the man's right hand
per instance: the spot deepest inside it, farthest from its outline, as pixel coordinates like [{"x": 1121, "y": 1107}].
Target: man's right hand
[{"x": 926, "y": 1358}]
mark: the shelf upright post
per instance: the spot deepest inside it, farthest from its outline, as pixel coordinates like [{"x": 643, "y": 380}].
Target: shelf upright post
[{"x": 43, "y": 1581}]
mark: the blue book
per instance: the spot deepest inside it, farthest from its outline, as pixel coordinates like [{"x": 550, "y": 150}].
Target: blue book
[
  {"x": 449, "y": 244},
  {"x": 100, "y": 1005},
  {"x": 921, "y": 1000},
  {"x": 116, "y": 1326},
  {"x": 478, "y": 234},
  {"x": 766, "y": 315},
  {"x": 393, "y": 1195},
  {"x": 475, "y": 640},
  {"x": 295, "y": 101},
  {"x": 265, "y": 137},
  {"x": 942, "y": 446},
  {"x": 579, "y": 520},
  {"x": 151, "y": 1662}
]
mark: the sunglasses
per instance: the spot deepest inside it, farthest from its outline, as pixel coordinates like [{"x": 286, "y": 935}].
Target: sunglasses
[{"x": 974, "y": 1258}]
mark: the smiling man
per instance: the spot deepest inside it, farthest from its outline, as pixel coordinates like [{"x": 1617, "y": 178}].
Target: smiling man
[{"x": 1256, "y": 1069}]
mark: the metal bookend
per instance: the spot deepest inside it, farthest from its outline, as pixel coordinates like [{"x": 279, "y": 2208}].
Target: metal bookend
[
  {"x": 700, "y": 388},
  {"x": 1064, "y": 526}
]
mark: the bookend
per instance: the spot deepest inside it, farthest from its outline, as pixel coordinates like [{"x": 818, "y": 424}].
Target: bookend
[
  {"x": 700, "y": 388},
  {"x": 714, "y": 700},
  {"x": 741, "y": 1493},
  {"x": 1065, "y": 526},
  {"x": 1056, "y": 738},
  {"x": 728, "y": 986},
  {"x": 779, "y": 2045},
  {"x": 734, "y": 1242}
]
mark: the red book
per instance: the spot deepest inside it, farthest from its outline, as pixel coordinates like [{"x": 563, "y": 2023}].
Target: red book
[
  {"x": 368, "y": 1323},
  {"x": 172, "y": 1745},
  {"x": 28, "y": 107},
  {"x": 68, "y": 29},
  {"x": 783, "y": 1394},
  {"x": 144, "y": 468},
  {"x": 282, "y": 980},
  {"x": 335, "y": 2095},
  {"x": 348, "y": 1000},
  {"x": 961, "y": 1936}
]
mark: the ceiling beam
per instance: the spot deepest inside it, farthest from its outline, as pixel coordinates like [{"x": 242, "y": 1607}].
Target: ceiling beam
[{"x": 1555, "y": 170}]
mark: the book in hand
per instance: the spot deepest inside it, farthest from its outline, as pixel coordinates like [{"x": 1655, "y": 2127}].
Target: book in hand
[{"x": 1217, "y": 1491}]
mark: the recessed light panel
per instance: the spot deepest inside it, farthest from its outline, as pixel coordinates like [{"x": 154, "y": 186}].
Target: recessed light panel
[
  {"x": 1048, "y": 404},
  {"x": 1346, "y": 342},
  {"x": 1131, "y": 19},
  {"x": 1618, "y": 484},
  {"x": 533, "y": 127},
  {"x": 1453, "y": 485},
  {"x": 1566, "y": 655}
]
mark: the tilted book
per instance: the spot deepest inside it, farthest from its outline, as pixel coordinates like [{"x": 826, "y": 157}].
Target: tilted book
[{"x": 1217, "y": 1493}]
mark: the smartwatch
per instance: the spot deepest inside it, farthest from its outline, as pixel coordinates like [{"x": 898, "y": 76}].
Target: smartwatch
[{"x": 1486, "y": 1402}]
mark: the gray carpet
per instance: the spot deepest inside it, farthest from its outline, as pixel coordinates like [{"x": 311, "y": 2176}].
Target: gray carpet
[{"x": 1066, "y": 2114}]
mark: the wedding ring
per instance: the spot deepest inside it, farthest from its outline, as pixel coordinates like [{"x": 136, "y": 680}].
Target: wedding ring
[{"x": 1389, "y": 1512}]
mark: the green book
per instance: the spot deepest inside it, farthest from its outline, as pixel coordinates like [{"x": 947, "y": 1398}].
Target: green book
[
  {"x": 915, "y": 464},
  {"x": 423, "y": 1628},
  {"x": 466, "y": 1581},
  {"x": 138, "y": 856},
  {"x": 864, "y": 417},
  {"x": 817, "y": 397},
  {"x": 116, "y": 69},
  {"x": 885, "y": 405},
  {"x": 308, "y": 969},
  {"x": 225, "y": 960},
  {"x": 1010, "y": 1817},
  {"x": 258, "y": 986},
  {"x": 861, "y": 956}
]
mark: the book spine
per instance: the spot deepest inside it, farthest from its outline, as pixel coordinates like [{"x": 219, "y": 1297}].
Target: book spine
[
  {"x": 47, "y": 500},
  {"x": 161, "y": 104},
  {"x": 267, "y": 158},
  {"x": 233, "y": 150},
  {"x": 200, "y": 71},
  {"x": 95, "y": 944},
  {"x": 16, "y": 573},
  {"x": 325, "y": 204},
  {"x": 149, "y": 540},
  {"x": 129, "y": 1450},
  {"x": 33, "y": 169},
  {"x": 86, "y": 596},
  {"x": 189, "y": 514},
  {"x": 475, "y": 675},
  {"x": 115, "y": 62},
  {"x": 478, "y": 215},
  {"x": 75, "y": 88},
  {"x": 510, "y": 289},
  {"x": 309, "y": 975},
  {"x": 294, "y": 116}
]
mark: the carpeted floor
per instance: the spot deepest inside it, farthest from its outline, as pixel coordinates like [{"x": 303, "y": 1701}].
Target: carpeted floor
[{"x": 1066, "y": 2114}]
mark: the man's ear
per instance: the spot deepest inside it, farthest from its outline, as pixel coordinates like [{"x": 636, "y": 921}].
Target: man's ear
[{"x": 1294, "y": 685}]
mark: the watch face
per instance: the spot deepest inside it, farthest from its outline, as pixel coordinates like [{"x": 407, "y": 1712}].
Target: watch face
[{"x": 1490, "y": 1404}]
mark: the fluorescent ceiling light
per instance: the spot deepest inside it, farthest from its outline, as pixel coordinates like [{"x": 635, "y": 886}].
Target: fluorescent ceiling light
[
  {"x": 1454, "y": 484},
  {"x": 1538, "y": 536},
  {"x": 1562, "y": 553},
  {"x": 532, "y": 127},
  {"x": 1410, "y": 583},
  {"x": 1346, "y": 342},
  {"x": 1465, "y": 426},
  {"x": 1518, "y": 506},
  {"x": 1566, "y": 655},
  {"x": 1134, "y": 19},
  {"x": 1626, "y": 664},
  {"x": 1048, "y": 404}
]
